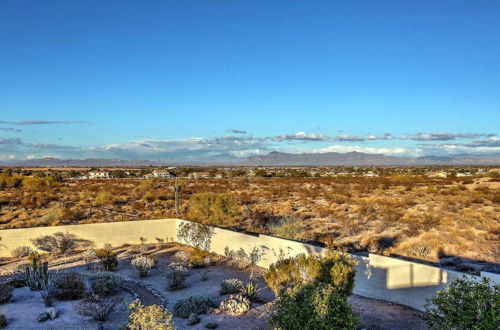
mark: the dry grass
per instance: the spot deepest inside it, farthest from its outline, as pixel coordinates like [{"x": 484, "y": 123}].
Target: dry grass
[{"x": 411, "y": 216}]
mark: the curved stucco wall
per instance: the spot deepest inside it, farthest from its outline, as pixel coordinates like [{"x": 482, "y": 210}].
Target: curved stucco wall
[{"x": 391, "y": 279}]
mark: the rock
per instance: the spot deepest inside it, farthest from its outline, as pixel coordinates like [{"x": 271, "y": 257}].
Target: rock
[
  {"x": 211, "y": 325},
  {"x": 42, "y": 317},
  {"x": 193, "y": 319},
  {"x": 52, "y": 311}
]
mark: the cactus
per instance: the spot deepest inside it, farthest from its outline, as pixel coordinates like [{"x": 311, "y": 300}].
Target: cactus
[
  {"x": 177, "y": 189},
  {"x": 37, "y": 275},
  {"x": 236, "y": 304}
]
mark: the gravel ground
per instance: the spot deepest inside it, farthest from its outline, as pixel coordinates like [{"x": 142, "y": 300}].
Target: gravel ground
[{"x": 25, "y": 306}]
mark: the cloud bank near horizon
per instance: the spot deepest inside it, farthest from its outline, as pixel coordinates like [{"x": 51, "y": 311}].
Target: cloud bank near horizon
[{"x": 242, "y": 144}]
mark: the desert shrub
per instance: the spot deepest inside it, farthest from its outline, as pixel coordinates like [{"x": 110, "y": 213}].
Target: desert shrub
[
  {"x": 105, "y": 283},
  {"x": 149, "y": 197},
  {"x": 152, "y": 317},
  {"x": 143, "y": 264},
  {"x": 288, "y": 228},
  {"x": 235, "y": 303},
  {"x": 213, "y": 209},
  {"x": 53, "y": 215},
  {"x": 194, "y": 304},
  {"x": 48, "y": 289},
  {"x": 198, "y": 258},
  {"x": 232, "y": 285},
  {"x": 312, "y": 306},
  {"x": 5, "y": 292},
  {"x": 21, "y": 251},
  {"x": 60, "y": 243},
  {"x": 196, "y": 235},
  {"x": 335, "y": 268},
  {"x": 96, "y": 306},
  {"x": 465, "y": 304},
  {"x": 104, "y": 198},
  {"x": 107, "y": 258},
  {"x": 89, "y": 257},
  {"x": 246, "y": 259},
  {"x": 69, "y": 286},
  {"x": 176, "y": 277},
  {"x": 3, "y": 320},
  {"x": 72, "y": 214}
]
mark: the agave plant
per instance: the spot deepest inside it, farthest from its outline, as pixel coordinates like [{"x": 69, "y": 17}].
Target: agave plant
[{"x": 250, "y": 290}]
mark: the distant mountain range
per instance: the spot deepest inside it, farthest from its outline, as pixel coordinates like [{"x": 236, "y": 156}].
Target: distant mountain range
[
  {"x": 363, "y": 159},
  {"x": 274, "y": 159}
]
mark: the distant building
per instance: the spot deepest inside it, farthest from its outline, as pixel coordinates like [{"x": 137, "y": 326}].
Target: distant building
[
  {"x": 164, "y": 174},
  {"x": 199, "y": 175},
  {"x": 438, "y": 175},
  {"x": 98, "y": 175}
]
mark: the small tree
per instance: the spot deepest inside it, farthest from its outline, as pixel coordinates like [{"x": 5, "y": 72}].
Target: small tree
[{"x": 465, "y": 304}]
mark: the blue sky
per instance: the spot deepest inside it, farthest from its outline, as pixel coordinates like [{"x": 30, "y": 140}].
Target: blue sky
[{"x": 169, "y": 80}]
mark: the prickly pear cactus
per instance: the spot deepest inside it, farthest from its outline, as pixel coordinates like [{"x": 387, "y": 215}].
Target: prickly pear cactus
[{"x": 235, "y": 303}]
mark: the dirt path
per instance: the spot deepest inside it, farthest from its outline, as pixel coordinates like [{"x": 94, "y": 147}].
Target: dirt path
[
  {"x": 377, "y": 314},
  {"x": 147, "y": 298}
]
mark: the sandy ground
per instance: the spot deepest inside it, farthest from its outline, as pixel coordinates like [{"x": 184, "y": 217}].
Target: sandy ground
[
  {"x": 23, "y": 309},
  {"x": 25, "y": 306}
]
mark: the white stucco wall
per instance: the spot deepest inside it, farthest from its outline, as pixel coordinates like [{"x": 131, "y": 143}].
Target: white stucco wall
[
  {"x": 114, "y": 233},
  {"x": 391, "y": 279}
]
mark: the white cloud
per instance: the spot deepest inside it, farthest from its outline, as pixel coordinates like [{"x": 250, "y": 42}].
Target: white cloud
[
  {"x": 300, "y": 136},
  {"x": 370, "y": 150}
]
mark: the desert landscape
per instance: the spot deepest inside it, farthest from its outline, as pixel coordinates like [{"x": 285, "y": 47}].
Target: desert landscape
[{"x": 414, "y": 216}]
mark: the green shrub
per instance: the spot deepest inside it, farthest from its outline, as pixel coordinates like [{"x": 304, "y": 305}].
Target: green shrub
[
  {"x": 69, "y": 286},
  {"x": 232, "y": 285},
  {"x": 107, "y": 258},
  {"x": 312, "y": 306},
  {"x": 465, "y": 304},
  {"x": 105, "y": 283},
  {"x": 5, "y": 292},
  {"x": 152, "y": 317},
  {"x": 176, "y": 277},
  {"x": 335, "y": 268},
  {"x": 194, "y": 304},
  {"x": 213, "y": 209},
  {"x": 104, "y": 198}
]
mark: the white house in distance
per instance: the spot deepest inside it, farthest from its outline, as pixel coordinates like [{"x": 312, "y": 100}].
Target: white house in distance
[
  {"x": 161, "y": 174},
  {"x": 99, "y": 175}
]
